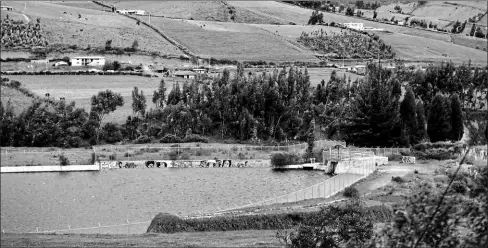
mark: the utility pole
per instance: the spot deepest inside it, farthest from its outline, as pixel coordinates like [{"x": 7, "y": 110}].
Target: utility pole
[{"x": 149, "y": 18}]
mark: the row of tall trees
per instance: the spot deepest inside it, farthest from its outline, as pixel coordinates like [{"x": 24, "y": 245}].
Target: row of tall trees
[{"x": 387, "y": 107}]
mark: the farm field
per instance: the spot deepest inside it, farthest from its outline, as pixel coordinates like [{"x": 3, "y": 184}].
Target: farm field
[
  {"x": 94, "y": 27},
  {"x": 249, "y": 45},
  {"x": 81, "y": 88},
  {"x": 402, "y": 48},
  {"x": 197, "y": 10},
  {"x": 415, "y": 48}
]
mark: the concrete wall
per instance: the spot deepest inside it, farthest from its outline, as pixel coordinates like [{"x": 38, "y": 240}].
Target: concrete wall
[
  {"x": 185, "y": 163},
  {"x": 50, "y": 168},
  {"x": 358, "y": 165}
]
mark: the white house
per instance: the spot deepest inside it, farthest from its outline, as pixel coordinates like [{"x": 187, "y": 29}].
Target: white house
[
  {"x": 60, "y": 63},
  {"x": 88, "y": 61},
  {"x": 122, "y": 11},
  {"x": 358, "y": 26},
  {"x": 185, "y": 74},
  {"x": 5, "y": 8},
  {"x": 200, "y": 71}
]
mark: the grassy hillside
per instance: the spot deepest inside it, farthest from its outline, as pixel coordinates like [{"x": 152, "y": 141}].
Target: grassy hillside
[
  {"x": 18, "y": 99},
  {"x": 232, "y": 41},
  {"x": 197, "y": 10},
  {"x": 61, "y": 24}
]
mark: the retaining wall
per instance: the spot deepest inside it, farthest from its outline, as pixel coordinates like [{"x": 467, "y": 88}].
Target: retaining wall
[
  {"x": 50, "y": 168},
  {"x": 355, "y": 165},
  {"x": 225, "y": 163}
]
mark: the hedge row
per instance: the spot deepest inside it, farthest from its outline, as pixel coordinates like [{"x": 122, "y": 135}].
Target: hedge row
[{"x": 167, "y": 223}]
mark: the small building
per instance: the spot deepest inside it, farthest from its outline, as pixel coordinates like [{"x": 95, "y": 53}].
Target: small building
[
  {"x": 185, "y": 74},
  {"x": 358, "y": 26},
  {"x": 402, "y": 23},
  {"x": 122, "y": 11},
  {"x": 6, "y": 8},
  {"x": 200, "y": 71},
  {"x": 88, "y": 61}
]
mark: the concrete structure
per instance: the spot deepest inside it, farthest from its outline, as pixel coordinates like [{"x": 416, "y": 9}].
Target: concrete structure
[
  {"x": 60, "y": 63},
  {"x": 6, "y": 8},
  {"x": 185, "y": 74},
  {"x": 88, "y": 61},
  {"x": 360, "y": 69},
  {"x": 50, "y": 168},
  {"x": 357, "y": 26}
]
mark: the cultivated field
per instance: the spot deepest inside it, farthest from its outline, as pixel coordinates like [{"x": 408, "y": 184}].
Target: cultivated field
[
  {"x": 93, "y": 28},
  {"x": 197, "y": 10},
  {"x": 249, "y": 45}
]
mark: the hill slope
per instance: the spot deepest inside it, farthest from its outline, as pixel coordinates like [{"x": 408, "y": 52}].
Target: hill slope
[
  {"x": 197, "y": 10},
  {"x": 62, "y": 24}
]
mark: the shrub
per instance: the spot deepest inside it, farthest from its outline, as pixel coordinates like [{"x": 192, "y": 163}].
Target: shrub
[
  {"x": 143, "y": 139},
  {"x": 112, "y": 156},
  {"x": 171, "y": 138},
  {"x": 195, "y": 138},
  {"x": 63, "y": 160},
  {"x": 351, "y": 192},
  {"x": 416, "y": 172},
  {"x": 397, "y": 179},
  {"x": 185, "y": 156},
  {"x": 459, "y": 187},
  {"x": 394, "y": 157},
  {"x": 282, "y": 159}
]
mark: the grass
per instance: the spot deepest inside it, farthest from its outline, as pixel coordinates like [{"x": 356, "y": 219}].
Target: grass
[
  {"x": 246, "y": 238},
  {"x": 18, "y": 100},
  {"x": 94, "y": 27},
  {"x": 81, "y": 88},
  {"x": 206, "y": 11},
  {"x": 252, "y": 44}
]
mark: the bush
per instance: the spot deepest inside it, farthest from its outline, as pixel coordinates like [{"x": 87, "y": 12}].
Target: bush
[
  {"x": 394, "y": 157},
  {"x": 459, "y": 187},
  {"x": 351, "y": 192},
  {"x": 63, "y": 160},
  {"x": 112, "y": 156},
  {"x": 196, "y": 138},
  {"x": 282, "y": 159},
  {"x": 397, "y": 179},
  {"x": 167, "y": 223},
  {"x": 170, "y": 138},
  {"x": 174, "y": 155},
  {"x": 143, "y": 139}
]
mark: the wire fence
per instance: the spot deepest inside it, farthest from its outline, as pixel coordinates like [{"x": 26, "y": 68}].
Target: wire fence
[
  {"x": 36, "y": 156},
  {"x": 358, "y": 170}
]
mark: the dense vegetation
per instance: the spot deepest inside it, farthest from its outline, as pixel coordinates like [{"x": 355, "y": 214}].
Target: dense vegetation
[
  {"x": 19, "y": 34},
  {"x": 346, "y": 45},
  {"x": 167, "y": 223}
]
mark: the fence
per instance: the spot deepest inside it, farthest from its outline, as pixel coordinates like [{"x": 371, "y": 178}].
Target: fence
[
  {"x": 16, "y": 156},
  {"x": 324, "y": 189},
  {"x": 353, "y": 152},
  {"x": 203, "y": 151},
  {"x": 35, "y": 156}
]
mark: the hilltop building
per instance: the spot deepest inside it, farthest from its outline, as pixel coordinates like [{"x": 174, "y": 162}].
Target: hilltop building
[
  {"x": 88, "y": 61},
  {"x": 6, "y": 8}
]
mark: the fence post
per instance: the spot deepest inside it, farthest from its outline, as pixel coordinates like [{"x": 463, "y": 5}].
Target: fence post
[
  {"x": 99, "y": 227},
  {"x": 128, "y": 227},
  {"x": 37, "y": 229}
]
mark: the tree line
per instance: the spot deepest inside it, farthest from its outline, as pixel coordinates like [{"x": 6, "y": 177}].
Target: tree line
[{"x": 387, "y": 107}]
